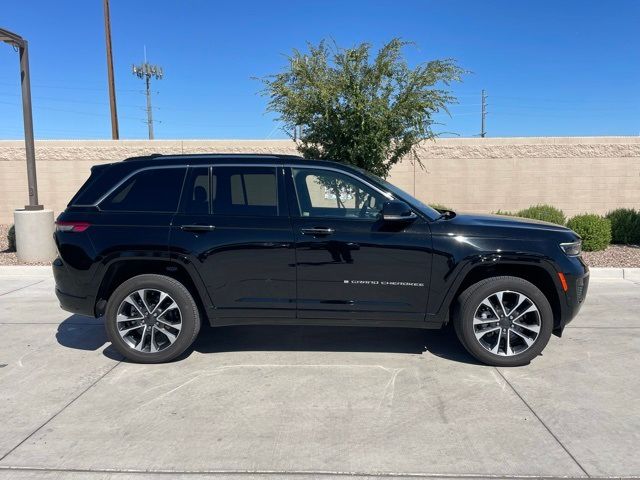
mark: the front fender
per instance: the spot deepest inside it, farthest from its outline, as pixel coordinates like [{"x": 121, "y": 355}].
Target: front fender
[{"x": 456, "y": 259}]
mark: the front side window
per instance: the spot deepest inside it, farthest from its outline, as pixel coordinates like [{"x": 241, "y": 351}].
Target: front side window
[
  {"x": 245, "y": 191},
  {"x": 152, "y": 190},
  {"x": 326, "y": 193}
]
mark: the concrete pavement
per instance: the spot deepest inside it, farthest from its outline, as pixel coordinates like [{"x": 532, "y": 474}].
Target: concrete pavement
[{"x": 314, "y": 402}]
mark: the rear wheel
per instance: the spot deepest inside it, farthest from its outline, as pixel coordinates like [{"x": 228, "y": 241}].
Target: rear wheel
[
  {"x": 503, "y": 321},
  {"x": 151, "y": 318}
]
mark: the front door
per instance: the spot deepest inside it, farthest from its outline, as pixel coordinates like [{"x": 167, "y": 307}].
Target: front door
[
  {"x": 233, "y": 229},
  {"x": 350, "y": 263}
]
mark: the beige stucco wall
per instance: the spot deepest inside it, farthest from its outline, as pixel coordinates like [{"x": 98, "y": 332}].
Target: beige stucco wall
[{"x": 576, "y": 174}]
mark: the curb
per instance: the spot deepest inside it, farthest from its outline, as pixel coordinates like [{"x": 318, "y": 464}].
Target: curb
[
  {"x": 602, "y": 273},
  {"x": 632, "y": 274}
]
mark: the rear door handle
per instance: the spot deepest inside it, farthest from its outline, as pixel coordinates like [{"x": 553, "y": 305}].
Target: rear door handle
[
  {"x": 197, "y": 228},
  {"x": 317, "y": 231}
]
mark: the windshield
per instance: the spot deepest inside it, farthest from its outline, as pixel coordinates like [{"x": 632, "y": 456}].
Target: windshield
[{"x": 402, "y": 195}]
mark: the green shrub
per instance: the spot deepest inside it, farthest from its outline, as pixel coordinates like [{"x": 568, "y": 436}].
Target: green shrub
[
  {"x": 594, "y": 230},
  {"x": 504, "y": 212},
  {"x": 625, "y": 225},
  {"x": 11, "y": 237},
  {"x": 546, "y": 213},
  {"x": 438, "y": 206}
]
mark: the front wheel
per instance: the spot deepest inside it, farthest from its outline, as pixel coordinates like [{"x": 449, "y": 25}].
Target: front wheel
[
  {"x": 503, "y": 321},
  {"x": 151, "y": 318}
]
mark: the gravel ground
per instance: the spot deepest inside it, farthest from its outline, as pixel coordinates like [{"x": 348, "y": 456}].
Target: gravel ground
[
  {"x": 625, "y": 256},
  {"x": 614, "y": 256},
  {"x": 7, "y": 257}
]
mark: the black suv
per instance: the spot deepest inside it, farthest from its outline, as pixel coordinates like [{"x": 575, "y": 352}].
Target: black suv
[{"x": 156, "y": 244}]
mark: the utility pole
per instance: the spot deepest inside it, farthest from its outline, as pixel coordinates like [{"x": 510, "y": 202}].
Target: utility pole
[
  {"x": 34, "y": 223},
  {"x": 146, "y": 71},
  {"x": 483, "y": 132},
  {"x": 115, "y": 134}
]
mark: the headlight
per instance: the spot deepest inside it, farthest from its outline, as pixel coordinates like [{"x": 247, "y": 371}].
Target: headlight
[{"x": 572, "y": 249}]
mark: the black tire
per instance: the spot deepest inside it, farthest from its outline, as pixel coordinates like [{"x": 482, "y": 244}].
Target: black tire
[
  {"x": 468, "y": 303},
  {"x": 190, "y": 316}
]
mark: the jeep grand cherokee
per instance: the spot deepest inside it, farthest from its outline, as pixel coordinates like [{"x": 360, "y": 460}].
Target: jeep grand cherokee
[{"x": 156, "y": 245}]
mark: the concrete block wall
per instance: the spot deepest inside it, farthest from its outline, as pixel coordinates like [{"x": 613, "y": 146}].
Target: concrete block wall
[{"x": 576, "y": 174}]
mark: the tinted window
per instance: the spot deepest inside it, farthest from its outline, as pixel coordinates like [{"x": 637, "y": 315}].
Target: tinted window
[
  {"x": 245, "y": 191},
  {"x": 154, "y": 190},
  {"x": 325, "y": 193},
  {"x": 196, "y": 197}
]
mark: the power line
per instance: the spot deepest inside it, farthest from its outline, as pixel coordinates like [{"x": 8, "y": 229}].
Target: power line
[
  {"x": 64, "y": 110},
  {"x": 66, "y": 100},
  {"x": 68, "y": 87}
]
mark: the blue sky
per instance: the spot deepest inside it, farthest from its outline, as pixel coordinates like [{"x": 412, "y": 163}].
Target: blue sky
[{"x": 550, "y": 67}]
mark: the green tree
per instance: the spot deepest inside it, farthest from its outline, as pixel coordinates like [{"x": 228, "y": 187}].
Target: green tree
[{"x": 367, "y": 113}]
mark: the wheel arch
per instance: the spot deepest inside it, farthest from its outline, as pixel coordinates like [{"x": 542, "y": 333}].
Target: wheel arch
[
  {"x": 123, "y": 269},
  {"x": 536, "y": 274}
]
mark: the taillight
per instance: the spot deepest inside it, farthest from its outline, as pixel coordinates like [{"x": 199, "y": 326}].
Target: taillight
[{"x": 72, "y": 226}]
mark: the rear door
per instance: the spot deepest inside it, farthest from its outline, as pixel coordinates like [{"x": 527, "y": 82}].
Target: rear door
[{"x": 233, "y": 229}]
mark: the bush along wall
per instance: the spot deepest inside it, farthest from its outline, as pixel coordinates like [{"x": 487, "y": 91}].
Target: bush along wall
[
  {"x": 439, "y": 206},
  {"x": 11, "y": 238},
  {"x": 594, "y": 230},
  {"x": 546, "y": 213},
  {"x": 625, "y": 225}
]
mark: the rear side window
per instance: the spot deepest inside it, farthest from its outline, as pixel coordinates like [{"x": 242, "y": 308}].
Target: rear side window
[
  {"x": 245, "y": 191},
  {"x": 196, "y": 196},
  {"x": 153, "y": 190}
]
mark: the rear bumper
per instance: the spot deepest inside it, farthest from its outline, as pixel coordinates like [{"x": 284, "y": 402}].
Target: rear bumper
[
  {"x": 73, "y": 304},
  {"x": 71, "y": 298}
]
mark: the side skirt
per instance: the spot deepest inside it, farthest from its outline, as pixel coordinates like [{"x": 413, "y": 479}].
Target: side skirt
[{"x": 222, "y": 322}]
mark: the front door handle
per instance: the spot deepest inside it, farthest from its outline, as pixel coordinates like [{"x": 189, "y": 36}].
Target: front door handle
[
  {"x": 317, "y": 231},
  {"x": 197, "y": 228}
]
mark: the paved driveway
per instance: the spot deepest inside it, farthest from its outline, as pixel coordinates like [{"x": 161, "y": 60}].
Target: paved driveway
[{"x": 312, "y": 402}]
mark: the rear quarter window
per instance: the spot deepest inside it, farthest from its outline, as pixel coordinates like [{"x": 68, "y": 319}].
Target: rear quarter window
[
  {"x": 86, "y": 194},
  {"x": 152, "y": 190}
]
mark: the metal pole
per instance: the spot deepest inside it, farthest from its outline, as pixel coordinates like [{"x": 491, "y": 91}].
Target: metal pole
[
  {"x": 484, "y": 114},
  {"x": 28, "y": 128},
  {"x": 149, "y": 114},
  {"x": 115, "y": 134},
  {"x": 146, "y": 71}
]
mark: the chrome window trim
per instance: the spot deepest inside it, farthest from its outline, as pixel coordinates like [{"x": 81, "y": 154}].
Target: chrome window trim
[
  {"x": 266, "y": 165},
  {"x": 386, "y": 194}
]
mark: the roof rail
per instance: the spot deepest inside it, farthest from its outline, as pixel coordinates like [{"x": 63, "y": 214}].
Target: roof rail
[
  {"x": 144, "y": 157},
  {"x": 214, "y": 155}
]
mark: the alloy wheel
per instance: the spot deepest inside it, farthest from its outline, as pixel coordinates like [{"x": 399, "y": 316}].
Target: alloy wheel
[
  {"x": 506, "y": 323},
  {"x": 149, "y": 320}
]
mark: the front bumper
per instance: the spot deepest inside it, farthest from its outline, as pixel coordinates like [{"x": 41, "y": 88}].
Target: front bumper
[{"x": 577, "y": 276}]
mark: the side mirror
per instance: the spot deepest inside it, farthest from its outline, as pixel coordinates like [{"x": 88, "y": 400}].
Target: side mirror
[{"x": 394, "y": 211}]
